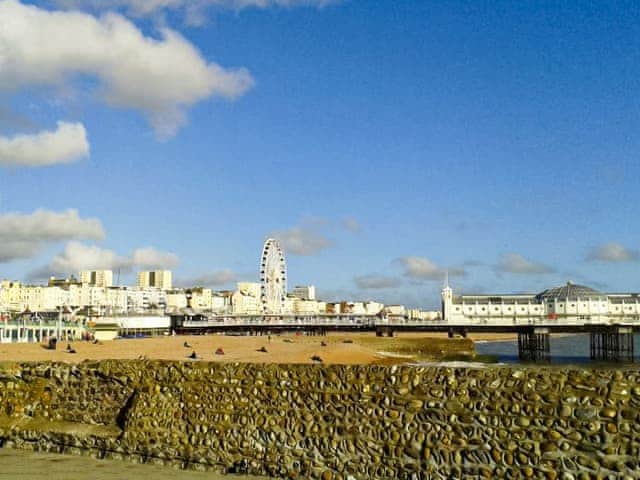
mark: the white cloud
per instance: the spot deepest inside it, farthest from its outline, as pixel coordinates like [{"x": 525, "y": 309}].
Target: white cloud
[
  {"x": 302, "y": 241},
  {"x": 14, "y": 250},
  {"x": 193, "y": 8},
  {"x": 421, "y": 268},
  {"x": 46, "y": 225},
  {"x": 375, "y": 281},
  {"x": 66, "y": 144},
  {"x": 516, "y": 263},
  {"x": 159, "y": 77},
  {"x": 23, "y": 235},
  {"x": 213, "y": 279},
  {"x": 613, "y": 252},
  {"x": 149, "y": 257},
  {"x": 77, "y": 256}
]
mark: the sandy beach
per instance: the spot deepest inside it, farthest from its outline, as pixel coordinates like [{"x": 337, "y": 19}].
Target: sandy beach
[{"x": 362, "y": 348}]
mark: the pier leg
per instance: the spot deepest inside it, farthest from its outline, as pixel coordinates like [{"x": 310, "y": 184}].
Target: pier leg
[
  {"x": 534, "y": 345},
  {"x": 613, "y": 344}
]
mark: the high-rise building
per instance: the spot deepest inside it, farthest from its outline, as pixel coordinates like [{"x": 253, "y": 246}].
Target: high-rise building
[
  {"x": 306, "y": 292},
  {"x": 157, "y": 278},
  {"x": 97, "y": 278}
]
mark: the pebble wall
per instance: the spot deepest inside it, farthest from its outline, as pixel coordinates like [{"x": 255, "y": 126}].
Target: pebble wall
[{"x": 329, "y": 422}]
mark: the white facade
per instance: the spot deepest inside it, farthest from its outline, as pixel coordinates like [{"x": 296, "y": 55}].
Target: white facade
[
  {"x": 156, "y": 278},
  {"x": 568, "y": 304},
  {"x": 176, "y": 300},
  {"x": 306, "y": 292},
  {"x": 97, "y": 278},
  {"x": 246, "y": 299},
  {"x": 305, "y": 307}
]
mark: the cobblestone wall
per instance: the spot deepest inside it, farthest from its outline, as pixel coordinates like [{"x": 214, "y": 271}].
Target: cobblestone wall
[{"x": 332, "y": 421}]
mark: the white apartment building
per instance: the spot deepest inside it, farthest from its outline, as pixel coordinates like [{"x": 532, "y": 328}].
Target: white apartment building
[
  {"x": 156, "y": 278},
  {"x": 97, "y": 278},
  {"x": 569, "y": 303},
  {"x": 116, "y": 299},
  {"x": 306, "y": 307},
  {"x": 306, "y": 292},
  {"x": 221, "y": 303},
  {"x": 201, "y": 299},
  {"x": 397, "y": 311},
  {"x": 373, "y": 308},
  {"x": 140, "y": 299},
  {"x": 246, "y": 299},
  {"x": 176, "y": 300},
  {"x": 10, "y": 296}
]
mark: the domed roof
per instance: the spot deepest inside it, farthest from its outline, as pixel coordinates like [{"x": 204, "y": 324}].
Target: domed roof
[{"x": 570, "y": 291}]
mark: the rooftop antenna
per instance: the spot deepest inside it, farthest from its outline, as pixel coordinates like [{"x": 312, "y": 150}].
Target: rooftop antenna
[{"x": 446, "y": 278}]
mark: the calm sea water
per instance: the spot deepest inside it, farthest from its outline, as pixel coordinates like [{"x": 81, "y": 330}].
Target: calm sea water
[
  {"x": 25, "y": 465},
  {"x": 564, "y": 349}
]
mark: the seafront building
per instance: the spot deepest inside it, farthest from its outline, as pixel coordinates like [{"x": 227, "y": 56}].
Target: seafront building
[
  {"x": 107, "y": 310},
  {"x": 157, "y": 278},
  {"x": 97, "y": 278},
  {"x": 304, "y": 292},
  {"x": 570, "y": 303}
]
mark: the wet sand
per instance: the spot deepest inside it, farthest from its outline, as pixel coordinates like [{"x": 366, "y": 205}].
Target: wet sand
[{"x": 280, "y": 349}]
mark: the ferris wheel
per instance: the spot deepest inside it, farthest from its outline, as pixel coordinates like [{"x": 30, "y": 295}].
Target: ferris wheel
[{"x": 273, "y": 277}]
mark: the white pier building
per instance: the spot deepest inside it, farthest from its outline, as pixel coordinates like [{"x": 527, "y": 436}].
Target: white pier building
[{"x": 567, "y": 304}]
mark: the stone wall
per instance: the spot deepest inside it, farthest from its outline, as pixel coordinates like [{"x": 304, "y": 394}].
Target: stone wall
[{"x": 331, "y": 421}]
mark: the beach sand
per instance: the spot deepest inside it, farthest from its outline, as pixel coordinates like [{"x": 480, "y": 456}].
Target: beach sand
[{"x": 287, "y": 348}]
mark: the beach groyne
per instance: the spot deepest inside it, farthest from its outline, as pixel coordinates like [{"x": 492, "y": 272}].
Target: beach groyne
[{"x": 330, "y": 422}]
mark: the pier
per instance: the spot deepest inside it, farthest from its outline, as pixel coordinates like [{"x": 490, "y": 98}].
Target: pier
[{"x": 608, "y": 342}]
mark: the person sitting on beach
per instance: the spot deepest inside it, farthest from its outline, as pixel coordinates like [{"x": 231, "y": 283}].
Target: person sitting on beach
[
  {"x": 186, "y": 345},
  {"x": 70, "y": 349},
  {"x": 193, "y": 355}
]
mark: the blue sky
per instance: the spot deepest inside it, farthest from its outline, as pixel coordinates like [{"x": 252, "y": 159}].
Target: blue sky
[{"x": 382, "y": 142}]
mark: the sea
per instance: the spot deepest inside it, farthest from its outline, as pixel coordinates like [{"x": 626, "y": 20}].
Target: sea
[{"x": 565, "y": 349}]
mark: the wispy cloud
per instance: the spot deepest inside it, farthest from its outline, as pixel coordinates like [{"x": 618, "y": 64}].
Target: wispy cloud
[
  {"x": 421, "y": 268},
  {"x": 68, "y": 143},
  {"x": 613, "y": 252},
  {"x": 23, "y": 235},
  {"x": 78, "y": 256},
  {"x": 516, "y": 263},
  {"x": 374, "y": 281},
  {"x": 302, "y": 240},
  {"x": 150, "y": 257},
  {"x": 41, "y": 47},
  {"x": 195, "y": 11}
]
